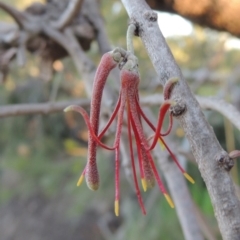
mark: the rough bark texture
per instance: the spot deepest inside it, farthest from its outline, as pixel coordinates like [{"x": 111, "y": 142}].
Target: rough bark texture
[
  {"x": 213, "y": 162},
  {"x": 221, "y": 15}
]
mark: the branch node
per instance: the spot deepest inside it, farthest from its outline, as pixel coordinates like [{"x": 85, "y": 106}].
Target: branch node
[
  {"x": 133, "y": 21},
  {"x": 179, "y": 108},
  {"x": 150, "y": 16},
  {"x": 225, "y": 161}
]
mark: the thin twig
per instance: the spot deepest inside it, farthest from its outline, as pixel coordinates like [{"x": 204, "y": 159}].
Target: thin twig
[
  {"x": 97, "y": 21},
  {"x": 18, "y": 16},
  {"x": 207, "y": 103},
  {"x": 39, "y": 108},
  {"x": 228, "y": 111},
  {"x": 55, "y": 87},
  {"x": 68, "y": 15},
  {"x": 223, "y": 107},
  {"x": 21, "y": 53}
]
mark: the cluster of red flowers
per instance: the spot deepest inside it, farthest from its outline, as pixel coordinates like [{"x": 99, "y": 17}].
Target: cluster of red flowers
[{"x": 129, "y": 100}]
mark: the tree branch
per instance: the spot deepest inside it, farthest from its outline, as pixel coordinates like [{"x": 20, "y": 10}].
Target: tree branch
[
  {"x": 181, "y": 197},
  {"x": 68, "y": 15},
  {"x": 223, "y": 107},
  {"x": 97, "y": 21},
  {"x": 39, "y": 108},
  {"x": 29, "y": 34},
  {"x": 208, "y": 103},
  {"x": 208, "y": 232},
  {"x": 18, "y": 16},
  {"x": 213, "y": 162},
  {"x": 21, "y": 53}
]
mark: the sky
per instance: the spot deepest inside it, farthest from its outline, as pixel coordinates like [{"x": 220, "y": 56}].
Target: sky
[{"x": 172, "y": 25}]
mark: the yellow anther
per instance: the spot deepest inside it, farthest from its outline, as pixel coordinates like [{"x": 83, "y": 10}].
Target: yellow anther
[
  {"x": 116, "y": 208},
  {"x": 169, "y": 200},
  {"x": 80, "y": 180},
  {"x": 172, "y": 102},
  {"x": 173, "y": 80},
  {"x": 144, "y": 184},
  {"x": 150, "y": 182},
  {"x": 92, "y": 186},
  {"x": 189, "y": 178},
  {"x": 161, "y": 144},
  {"x": 67, "y": 109}
]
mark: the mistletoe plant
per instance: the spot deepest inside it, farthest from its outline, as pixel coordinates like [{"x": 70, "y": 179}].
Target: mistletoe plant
[{"x": 129, "y": 100}]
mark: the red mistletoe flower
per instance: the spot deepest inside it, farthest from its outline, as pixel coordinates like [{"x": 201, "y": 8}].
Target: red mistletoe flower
[{"x": 129, "y": 100}]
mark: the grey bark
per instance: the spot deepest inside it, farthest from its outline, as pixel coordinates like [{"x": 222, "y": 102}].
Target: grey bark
[
  {"x": 39, "y": 108},
  {"x": 213, "y": 162}
]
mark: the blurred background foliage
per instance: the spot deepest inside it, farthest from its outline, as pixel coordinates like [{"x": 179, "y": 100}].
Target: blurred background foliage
[{"x": 45, "y": 154}]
